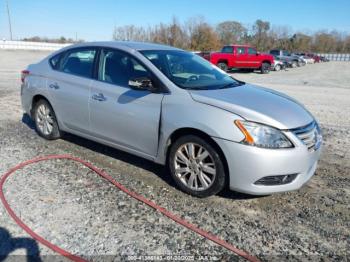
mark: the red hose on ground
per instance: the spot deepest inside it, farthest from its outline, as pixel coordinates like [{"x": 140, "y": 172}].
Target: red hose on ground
[{"x": 104, "y": 175}]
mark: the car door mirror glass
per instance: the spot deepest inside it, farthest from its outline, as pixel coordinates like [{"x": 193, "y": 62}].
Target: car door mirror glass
[{"x": 141, "y": 83}]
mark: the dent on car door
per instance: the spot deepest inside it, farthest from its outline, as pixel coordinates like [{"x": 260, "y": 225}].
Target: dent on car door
[
  {"x": 119, "y": 114},
  {"x": 69, "y": 85}
]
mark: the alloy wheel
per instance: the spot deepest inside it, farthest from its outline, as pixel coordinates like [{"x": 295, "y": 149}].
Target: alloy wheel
[
  {"x": 44, "y": 119},
  {"x": 194, "y": 166}
]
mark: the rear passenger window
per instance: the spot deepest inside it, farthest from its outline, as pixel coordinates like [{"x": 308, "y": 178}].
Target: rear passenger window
[
  {"x": 78, "y": 62},
  {"x": 54, "y": 61},
  {"x": 240, "y": 50}
]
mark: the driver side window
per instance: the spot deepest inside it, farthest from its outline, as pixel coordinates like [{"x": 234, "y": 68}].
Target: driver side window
[
  {"x": 252, "y": 51},
  {"x": 118, "y": 68}
]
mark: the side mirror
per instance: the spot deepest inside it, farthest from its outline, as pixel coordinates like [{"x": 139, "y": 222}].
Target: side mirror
[
  {"x": 257, "y": 53},
  {"x": 141, "y": 83}
]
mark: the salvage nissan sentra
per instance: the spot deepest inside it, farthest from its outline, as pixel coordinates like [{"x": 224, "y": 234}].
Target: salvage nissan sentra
[{"x": 175, "y": 108}]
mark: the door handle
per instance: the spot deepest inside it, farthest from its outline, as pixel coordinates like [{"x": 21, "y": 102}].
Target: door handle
[
  {"x": 99, "y": 97},
  {"x": 54, "y": 86}
]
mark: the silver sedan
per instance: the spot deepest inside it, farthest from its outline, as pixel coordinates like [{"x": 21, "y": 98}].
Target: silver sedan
[{"x": 175, "y": 108}]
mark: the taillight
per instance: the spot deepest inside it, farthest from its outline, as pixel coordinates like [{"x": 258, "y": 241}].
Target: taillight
[{"x": 24, "y": 73}]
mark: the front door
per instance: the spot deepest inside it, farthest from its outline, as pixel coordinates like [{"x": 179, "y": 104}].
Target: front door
[
  {"x": 122, "y": 115},
  {"x": 252, "y": 58}
]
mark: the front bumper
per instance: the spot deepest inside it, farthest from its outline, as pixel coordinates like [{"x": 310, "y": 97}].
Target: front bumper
[{"x": 247, "y": 164}]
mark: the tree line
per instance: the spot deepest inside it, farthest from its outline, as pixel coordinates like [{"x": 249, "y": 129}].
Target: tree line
[
  {"x": 61, "y": 40},
  {"x": 197, "y": 34}
]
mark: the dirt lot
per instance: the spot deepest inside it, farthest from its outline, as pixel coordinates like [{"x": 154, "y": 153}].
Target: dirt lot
[{"x": 80, "y": 212}]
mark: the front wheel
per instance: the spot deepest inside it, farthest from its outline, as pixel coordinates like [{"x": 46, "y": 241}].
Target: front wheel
[
  {"x": 277, "y": 67},
  {"x": 196, "y": 166}
]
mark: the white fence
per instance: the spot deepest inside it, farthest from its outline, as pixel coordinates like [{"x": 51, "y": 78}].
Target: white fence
[
  {"x": 336, "y": 57},
  {"x": 17, "y": 45}
]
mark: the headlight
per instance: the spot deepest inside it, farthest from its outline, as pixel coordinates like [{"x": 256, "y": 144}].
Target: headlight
[{"x": 262, "y": 136}]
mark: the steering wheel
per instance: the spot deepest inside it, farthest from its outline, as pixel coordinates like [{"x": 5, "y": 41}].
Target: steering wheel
[{"x": 192, "y": 78}]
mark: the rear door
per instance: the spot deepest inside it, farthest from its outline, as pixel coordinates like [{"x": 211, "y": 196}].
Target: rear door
[
  {"x": 122, "y": 115},
  {"x": 69, "y": 87},
  {"x": 240, "y": 57}
]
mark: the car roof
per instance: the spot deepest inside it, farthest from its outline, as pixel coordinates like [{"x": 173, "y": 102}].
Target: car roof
[
  {"x": 234, "y": 45},
  {"x": 139, "y": 46}
]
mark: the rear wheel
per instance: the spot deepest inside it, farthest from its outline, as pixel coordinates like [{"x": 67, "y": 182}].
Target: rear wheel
[
  {"x": 265, "y": 68},
  {"x": 196, "y": 166},
  {"x": 277, "y": 67},
  {"x": 223, "y": 66},
  {"x": 294, "y": 64},
  {"x": 45, "y": 120}
]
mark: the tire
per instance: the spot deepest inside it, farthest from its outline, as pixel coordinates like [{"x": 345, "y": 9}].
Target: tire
[
  {"x": 223, "y": 66},
  {"x": 199, "y": 177},
  {"x": 265, "y": 68},
  {"x": 294, "y": 64},
  {"x": 45, "y": 120},
  {"x": 277, "y": 67}
]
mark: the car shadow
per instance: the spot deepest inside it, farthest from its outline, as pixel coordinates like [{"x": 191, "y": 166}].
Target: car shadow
[
  {"x": 159, "y": 170},
  {"x": 131, "y": 95},
  {"x": 247, "y": 71},
  {"x": 9, "y": 244},
  {"x": 229, "y": 194}
]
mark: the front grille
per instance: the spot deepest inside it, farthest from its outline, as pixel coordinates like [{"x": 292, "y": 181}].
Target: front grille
[{"x": 310, "y": 135}]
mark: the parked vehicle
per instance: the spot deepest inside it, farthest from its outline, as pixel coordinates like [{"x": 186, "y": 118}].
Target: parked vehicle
[
  {"x": 285, "y": 61},
  {"x": 241, "y": 57},
  {"x": 292, "y": 60},
  {"x": 324, "y": 59},
  {"x": 205, "y": 55},
  {"x": 279, "y": 65},
  {"x": 316, "y": 58},
  {"x": 301, "y": 58},
  {"x": 308, "y": 59},
  {"x": 175, "y": 108}
]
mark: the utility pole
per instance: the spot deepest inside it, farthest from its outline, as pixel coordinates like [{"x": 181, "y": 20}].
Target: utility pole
[{"x": 9, "y": 18}]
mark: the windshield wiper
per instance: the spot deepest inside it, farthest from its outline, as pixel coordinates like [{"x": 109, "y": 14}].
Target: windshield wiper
[
  {"x": 232, "y": 85},
  {"x": 197, "y": 88}
]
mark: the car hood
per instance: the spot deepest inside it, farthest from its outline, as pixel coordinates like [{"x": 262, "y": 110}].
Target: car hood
[{"x": 257, "y": 104}]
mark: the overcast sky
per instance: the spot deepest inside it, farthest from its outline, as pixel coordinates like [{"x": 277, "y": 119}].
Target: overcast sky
[{"x": 95, "y": 19}]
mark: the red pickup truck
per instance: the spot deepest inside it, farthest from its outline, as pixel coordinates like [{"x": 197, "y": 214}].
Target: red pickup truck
[{"x": 242, "y": 57}]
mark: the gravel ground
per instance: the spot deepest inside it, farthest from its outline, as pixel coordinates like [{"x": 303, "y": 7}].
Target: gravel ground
[{"x": 80, "y": 212}]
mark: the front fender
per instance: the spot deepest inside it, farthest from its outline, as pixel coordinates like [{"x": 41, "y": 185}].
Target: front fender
[{"x": 188, "y": 113}]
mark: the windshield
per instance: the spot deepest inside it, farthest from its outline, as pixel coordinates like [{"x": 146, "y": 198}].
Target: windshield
[{"x": 190, "y": 71}]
